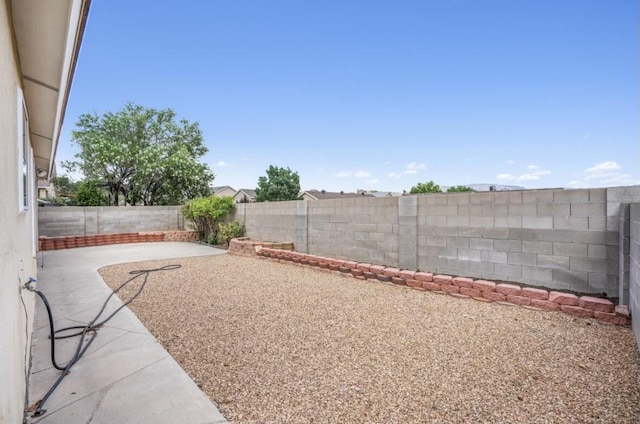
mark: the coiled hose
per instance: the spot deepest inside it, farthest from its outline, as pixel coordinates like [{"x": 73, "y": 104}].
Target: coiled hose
[{"x": 83, "y": 330}]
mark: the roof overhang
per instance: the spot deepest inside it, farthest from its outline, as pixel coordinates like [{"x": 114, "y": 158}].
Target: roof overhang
[{"x": 48, "y": 36}]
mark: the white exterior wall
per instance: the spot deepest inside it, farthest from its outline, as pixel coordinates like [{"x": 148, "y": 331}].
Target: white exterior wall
[{"x": 17, "y": 260}]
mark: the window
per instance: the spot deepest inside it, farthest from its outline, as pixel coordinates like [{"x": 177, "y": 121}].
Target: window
[{"x": 24, "y": 156}]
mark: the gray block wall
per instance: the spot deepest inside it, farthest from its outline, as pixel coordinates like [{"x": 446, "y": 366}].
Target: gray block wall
[
  {"x": 364, "y": 230},
  {"x": 78, "y": 220},
  {"x": 558, "y": 239},
  {"x": 269, "y": 221},
  {"x": 551, "y": 238},
  {"x": 634, "y": 274}
]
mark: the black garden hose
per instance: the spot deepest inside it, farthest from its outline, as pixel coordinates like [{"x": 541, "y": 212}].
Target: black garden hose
[{"x": 90, "y": 328}]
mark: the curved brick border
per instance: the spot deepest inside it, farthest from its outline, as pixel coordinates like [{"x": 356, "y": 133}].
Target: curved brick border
[
  {"x": 481, "y": 290},
  {"x": 69, "y": 242}
]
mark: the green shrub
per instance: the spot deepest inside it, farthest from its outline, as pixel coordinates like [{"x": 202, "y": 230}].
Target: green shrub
[
  {"x": 213, "y": 239},
  {"x": 460, "y": 189},
  {"x": 231, "y": 230},
  {"x": 428, "y": 187},
  {"x": 207, "y": 212}
]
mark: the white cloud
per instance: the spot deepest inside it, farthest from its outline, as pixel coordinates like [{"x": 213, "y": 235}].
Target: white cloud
[
  {"x": 505, "y": 177},
  {"x": 373, "y": 181},
  {"x": 222, "y": 164},
  {"x": 534, "y": 174},
  {"x": 414, "y": 167},
  {"x": 604, "y": 174},
  {"x": 394, "y": 175},
  {"x": 603, "y": 170},
  {"x": 354, "y": 174},
  {"x": 511, "y": 162},
  {"x": 603, "y": 167},
  {"x": 528, "y": 177}
]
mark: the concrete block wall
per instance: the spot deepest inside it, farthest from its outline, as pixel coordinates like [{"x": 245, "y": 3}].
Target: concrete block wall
[
  {"x": 559, "y": 239},
  {"x": 80, "y": 221},
  {"x": 270, "y": 221},
  {"x": 634, "y": 268},
  {"x": 552, "y": 238},
  {"x": 357, "y": 229}
]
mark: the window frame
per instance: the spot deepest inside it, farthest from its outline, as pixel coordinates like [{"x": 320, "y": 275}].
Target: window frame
[{"x": 25, "y": 157}]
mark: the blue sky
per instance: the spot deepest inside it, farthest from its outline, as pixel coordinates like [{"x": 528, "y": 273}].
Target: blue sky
[{"x": 380, "y": 94}]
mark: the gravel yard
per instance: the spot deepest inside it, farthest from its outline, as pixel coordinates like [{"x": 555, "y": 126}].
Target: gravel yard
[{"x": 276, "y": 343}]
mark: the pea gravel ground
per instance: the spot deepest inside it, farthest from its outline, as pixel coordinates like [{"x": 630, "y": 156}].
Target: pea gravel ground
[{"x": 276, "y": 343}]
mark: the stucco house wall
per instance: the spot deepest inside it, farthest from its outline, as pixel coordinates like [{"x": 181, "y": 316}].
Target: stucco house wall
[
  {"x": 17, "y": 261},
  {"x": 48, "y": 52}
]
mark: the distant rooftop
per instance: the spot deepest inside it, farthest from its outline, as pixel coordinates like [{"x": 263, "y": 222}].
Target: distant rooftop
[{"x": 324, "y": 195}]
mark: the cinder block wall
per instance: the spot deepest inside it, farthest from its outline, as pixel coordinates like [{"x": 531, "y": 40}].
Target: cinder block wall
[
  {"x": 357, "y": 229},
  {"x": 269, "y": 221},
  {"x": 634, "y": 274},
  {"x": 79, "y": 221},
  {"x": 552, "y": 238},
  {"x": 559, "y": 239}
]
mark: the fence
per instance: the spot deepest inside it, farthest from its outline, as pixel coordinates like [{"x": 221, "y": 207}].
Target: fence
[
  {"x": 81, "y": 221},
  {"x": 576, "y": 240},
  {"x": 634, "y": 266},
  {"x": 559, "y": 239}
]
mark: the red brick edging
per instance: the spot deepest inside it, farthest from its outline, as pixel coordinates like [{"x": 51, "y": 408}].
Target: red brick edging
[
  {"x": 69, "y": 242},
  {"x": 481, "y": 290}
]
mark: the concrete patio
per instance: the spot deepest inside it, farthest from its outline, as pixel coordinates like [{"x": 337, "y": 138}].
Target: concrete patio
[{"x": 125, "y": 376}]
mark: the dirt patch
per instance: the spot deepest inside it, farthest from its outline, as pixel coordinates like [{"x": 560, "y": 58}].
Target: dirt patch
[{"x": 270, "y": 342}]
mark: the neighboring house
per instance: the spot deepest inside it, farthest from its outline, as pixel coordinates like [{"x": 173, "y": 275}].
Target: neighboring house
[
  {"x": 324, "y": 195},
  {"x": 46, "y": 189},
  {"x": 39, "y": 44},
  {"x": 245, "y": 195},
  {"x": 223, "y": 191}
]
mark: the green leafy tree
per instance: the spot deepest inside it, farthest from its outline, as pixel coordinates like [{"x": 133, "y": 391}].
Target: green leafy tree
[
  {"x": 459, "y": 189},
  {"x": 65, "y": 186},
  {"x": 143, "y": 155},
  {"x": 279, "y": 184},
  {"x": 89, "y": 194},
  {"x": 428, "y": 187},
  {"x": 206, "y": 213}
]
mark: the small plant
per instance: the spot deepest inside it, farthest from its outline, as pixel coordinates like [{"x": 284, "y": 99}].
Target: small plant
[
  {"x": 213, "y": 239},
  {"x": 230, "y": 231},
  {"x": 207, "y": 212}
]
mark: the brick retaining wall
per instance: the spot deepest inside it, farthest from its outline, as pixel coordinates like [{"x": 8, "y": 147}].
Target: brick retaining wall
[
  {"x": 477, "y": 289},
  {"x": 68, "y": 242}
]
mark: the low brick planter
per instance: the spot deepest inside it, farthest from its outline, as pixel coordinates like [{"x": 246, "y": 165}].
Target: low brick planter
[
  {"x": 485, "y": 291},
  {"x": 69, "y": 242},
  {"x": 245, "y": 246}
]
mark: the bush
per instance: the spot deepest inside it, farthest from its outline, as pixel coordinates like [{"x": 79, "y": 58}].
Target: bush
[
  {"x": 428, "y": 187},
  {"x": 213, "y": 239},
  {"x": 207, "y": 212},
  {"x": 89, "y": 194},
  {"x": 231, "y": 230},
  {"x": 460, "y": 189}
]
